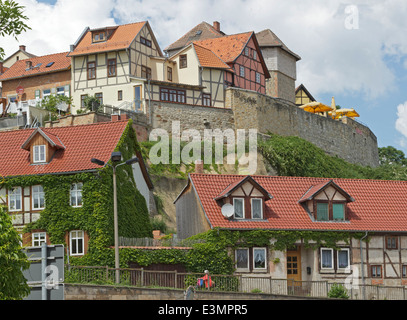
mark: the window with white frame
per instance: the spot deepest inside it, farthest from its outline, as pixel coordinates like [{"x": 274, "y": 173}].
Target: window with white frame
[
  {"x": 258, "y": 77},
  {"x": 76, "y": 194},
  {"x": 39, "y": 153},
  {"x": 343, "y": 258},
  {"x": 259, "y": 258},
  {"x": 242, "y": 258},
  {"x": 241, "y": 72},
  {"x": 238, "y": 205},
  {"x": 15, "y": 199},
  {"x": 77, "y": 242},
  {"x": 38, "y": 197},
  {"x": 257, "y": 208},
  {"x": 251, "y": 259},
  {"x": 327, "y": 258},
  {"x": 38, "y": 238}
]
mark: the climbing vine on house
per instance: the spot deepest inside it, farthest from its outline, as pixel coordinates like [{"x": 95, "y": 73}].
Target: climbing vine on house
[{"x": 95, "y": 216}]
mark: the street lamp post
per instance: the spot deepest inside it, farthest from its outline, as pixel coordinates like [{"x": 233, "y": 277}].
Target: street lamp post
[{"x": 116, "y": 157}]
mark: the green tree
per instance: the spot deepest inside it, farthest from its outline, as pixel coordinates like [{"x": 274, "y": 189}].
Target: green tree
[
  {"x": 13, "y": 285},
  {"x": 12, "y": 21},
  {"x": 391, "y": 155}
]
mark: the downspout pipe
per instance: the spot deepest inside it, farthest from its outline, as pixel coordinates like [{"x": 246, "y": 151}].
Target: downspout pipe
[{"x": 362, "y": 266}]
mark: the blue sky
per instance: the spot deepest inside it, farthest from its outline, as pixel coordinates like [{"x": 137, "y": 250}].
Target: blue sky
[{"x": 355, "y": 51}]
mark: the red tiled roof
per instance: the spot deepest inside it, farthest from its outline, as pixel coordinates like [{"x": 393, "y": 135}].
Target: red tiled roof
[
  {"x": 19, "y": 69},
  {"x": 228, "y": 48},
  {"x": 81, "y": 143},
  {"x": 209, "y": 59},
  {"x": 379, "y": 205},
  {"x": 120, "y": 39}
]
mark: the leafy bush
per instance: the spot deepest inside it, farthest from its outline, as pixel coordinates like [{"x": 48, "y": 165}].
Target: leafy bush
[{"x": 338, "y": 291}]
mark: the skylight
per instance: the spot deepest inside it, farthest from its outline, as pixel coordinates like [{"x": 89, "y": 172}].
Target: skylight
[{"x": 49, "y": 64}]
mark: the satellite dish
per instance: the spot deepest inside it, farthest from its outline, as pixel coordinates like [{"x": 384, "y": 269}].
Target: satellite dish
[{"x": 228, "y": 210}]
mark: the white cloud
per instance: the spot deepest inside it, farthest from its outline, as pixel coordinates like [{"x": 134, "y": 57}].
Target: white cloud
[
  {"x": 401, "y": 122},
  {"x": 334, "y": 59}
]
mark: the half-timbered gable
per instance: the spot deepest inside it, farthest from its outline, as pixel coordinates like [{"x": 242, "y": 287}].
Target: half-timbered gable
[
  {"x": 241, "y": 52},
  {"x": 112, "y": 63}
]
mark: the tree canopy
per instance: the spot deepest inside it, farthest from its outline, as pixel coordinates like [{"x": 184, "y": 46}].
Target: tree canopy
[
  {"x": 13, "y": 285},
  {"x": 12, "y": 21}
]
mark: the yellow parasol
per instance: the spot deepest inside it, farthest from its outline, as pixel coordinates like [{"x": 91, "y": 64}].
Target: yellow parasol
[
  {"x": 315, "y": 107},
  {"x": 350, "y": 113}
]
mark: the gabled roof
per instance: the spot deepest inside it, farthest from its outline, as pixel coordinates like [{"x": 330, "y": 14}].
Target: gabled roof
[
  {"x": 268, "y": 38},
  {"x": 52, "y": 139},
  {"x": 81, "y": 143},
  {"x": 121, "y": 38},
  {"x": 209, "y": 59},
  {"x": 302, "y": 87},
  {"x": 315, "y": 190},
  {"x": 60, "y": 62},
  {"x": 201, "y": 31},
  {"x": 379, "y": 205},
  {"x": 228, "y": 48},
  {"x": 234, "y": 185}
]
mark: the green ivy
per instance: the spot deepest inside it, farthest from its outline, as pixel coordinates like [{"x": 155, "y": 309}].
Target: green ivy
[{"x": 96, "y": 214}]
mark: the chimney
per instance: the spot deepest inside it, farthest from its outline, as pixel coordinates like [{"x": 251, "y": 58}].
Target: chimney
[
  {"x": 198, "y": 166},
  {"x": 22, "y": 48},
  {"x": 216, "y": 26},
  {"x": 1, "y": 67},
  {"x": 124, "y": 116},
  {"x": 115, "y": 117}
]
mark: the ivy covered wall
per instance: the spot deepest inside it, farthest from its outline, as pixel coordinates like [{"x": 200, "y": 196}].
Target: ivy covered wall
[{"x": 95, "y": 216}]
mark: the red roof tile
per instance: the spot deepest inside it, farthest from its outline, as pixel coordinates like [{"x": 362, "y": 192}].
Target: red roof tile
[
  {"x": 228, "y": 48},
  {"x": 39, "y": 66},
  {"x": 81, "y": 143},
  {"x": 379, "y": 205},
  {"x": 120, "y": 39},
  {"x": 208, "y": 59}
]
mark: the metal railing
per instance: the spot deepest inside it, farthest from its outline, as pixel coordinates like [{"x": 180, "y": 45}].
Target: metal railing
[{"x": 225, "y": 283}]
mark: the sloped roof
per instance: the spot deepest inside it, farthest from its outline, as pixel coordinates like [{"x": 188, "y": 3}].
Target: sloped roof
[
  {"x": 228, "y": 48},
  {"x": 39, "y": 66},
  {"x": 268, "y": 38},
  {"x": 121, "y": 38},
  {"x": 201, "y": 31},
  {"x": 81, "y": 143},
  {"x": 208, "y": 59},
  {"x": 379, "y": 205}
]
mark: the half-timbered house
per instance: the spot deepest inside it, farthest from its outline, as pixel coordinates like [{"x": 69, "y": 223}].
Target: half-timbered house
[
  {"x": 48, "y": 171},
  {"x": 360, "y": 210},
  {"x": 113, "y": 64}
]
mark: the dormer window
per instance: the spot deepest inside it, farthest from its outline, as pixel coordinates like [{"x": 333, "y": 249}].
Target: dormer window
[
  {"x": 247, "y": 198},
  {"x": 39, "y": 153},
  {"x": 238, "y": 205},
  {"x": 42, "y": 146},
  {"x": 257, "y": 208},
  {"x": 326, "y": 202},
  {"x": 99, "y": 36}
]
